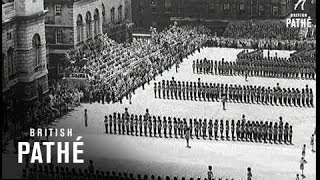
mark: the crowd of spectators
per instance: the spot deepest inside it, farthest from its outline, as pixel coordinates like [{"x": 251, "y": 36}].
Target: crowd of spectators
[{"x": 116, "y": 70}]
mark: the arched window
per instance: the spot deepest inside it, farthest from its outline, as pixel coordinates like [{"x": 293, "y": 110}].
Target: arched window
[
  {"x": 103, "y": 13},
  {"x": 36, "y": 47},
  {"x": 112, "y": 14},
  {"x": 120, "y": 13},
  {"x": 88, "y": 24},
  {"x": 79, "y": 28},
  {"x": 96, "y": 22},
  {"x": 10, "y": 61}
]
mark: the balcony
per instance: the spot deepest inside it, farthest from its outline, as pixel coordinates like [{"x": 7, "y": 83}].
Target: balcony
[{"x": 8, "y": 11}]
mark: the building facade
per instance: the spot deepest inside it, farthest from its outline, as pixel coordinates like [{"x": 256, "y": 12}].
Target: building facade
[
  {"x": 24, "y": 65},
  {"x": 72, "y": 22},
  {"x": 146, "y": 13}
]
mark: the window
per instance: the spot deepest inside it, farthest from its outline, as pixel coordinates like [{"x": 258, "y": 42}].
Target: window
[
  {"x": 10, "y": 61},
  {"x": 275, "y": 10},
  {"x": 36, "y": 47},
  {"x": 226, "y": 7},
  {"x": 242, "y": 8},
  {"x": 112, "y": 14},
  {"x": 79, "y": 28},
  {"x": 59, "y": 36},
  {"x": 261, "y": 10},
  {"x": 88, "y": 25},
  {"x": 9, "y": 35},
  {"x": 103, "y": 13},
  {"x": 120, "y": 13},
  {"x": 58, "y": 10},
  {"x": 96, "y": 22},
  {"x": 168, "y": 5}
]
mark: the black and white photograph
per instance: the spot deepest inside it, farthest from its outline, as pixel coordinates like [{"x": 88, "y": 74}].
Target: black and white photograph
[{"x": 159, "y": 89}]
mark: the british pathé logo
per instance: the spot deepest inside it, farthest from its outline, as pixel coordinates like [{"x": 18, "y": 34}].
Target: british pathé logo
[{"x": 298, "y": 18}]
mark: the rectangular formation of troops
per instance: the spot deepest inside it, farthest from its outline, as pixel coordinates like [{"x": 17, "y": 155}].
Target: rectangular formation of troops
[
  {"x": 175, "y": 127},
  {"x": 254, "y": 64},
  {"x": 172, "y": 89}
]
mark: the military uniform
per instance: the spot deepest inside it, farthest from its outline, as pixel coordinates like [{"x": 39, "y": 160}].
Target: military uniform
[
  {"x": 170, "y": 127},
  {"x": 165, "y": 127},
  {"x": 106, "y": 122},
  {"x": 140, "y": 125},
  {"x": 159, "y": 128},
  {"x": 149, "y": 124},
  {"x": 216, "y": 129},
  {"x": 110, "y": 123},
  {"x": 155, "y": 126},
  {"x": 210, "y": 126},
  {"x": 175, "y": 127},
  {"x": 204, "y": 129},
  {"x": 221, "y": 129}
]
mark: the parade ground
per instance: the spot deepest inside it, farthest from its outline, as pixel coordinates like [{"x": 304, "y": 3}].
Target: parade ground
[{"x": 161, "y": 156}]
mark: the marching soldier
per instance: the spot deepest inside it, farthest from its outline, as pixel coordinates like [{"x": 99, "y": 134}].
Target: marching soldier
[
  {"x": 110, "y": 123},
  {"x": 196, "y": 124},
  {"x": 170, "y": 126},
  {"x": 190, "y": 127},
  {"x": 185, "y": 126},
  {"x": 136, "y": 124},
  {"x": 238, "y": 130},
  {"x": 159, "y": 127},
  {"x": 164, "y": 89},
  {"x": 165, "y": 127},
  {"x": 250, "y": 131},
  {"x": 227, "y": 129},
  {"x": 117, "y": 121},
  {"x": 175, "y": 127},
  {"x": 286, "y": 132},
  {"x": 106, "y": 123},
  {"x": 140, "y": 125},
  {"x": 242, "y": 131},
  {"x": 221, "y": 129},
  {"x": 264, "y": 131},
  {"x": 132, "y": 125},
  {"x": 270, "y": 132},
  {"x": 275, "y": 132},
  {"x": 216, "y": 129},
  {"x": 127, "y": 125},
  {"x": 155, "y": 126},
  {"x": 159, "y": 89},
  {"x": 150, "y": 126},
  {"x": 254, "y": 131},
  {"x": 145, "y": 125},
  {"x": 155, "y": 90},
  {"x": 204, "y": 128},
  {"x": 183, "y": 89},
  {"x": 290, "y": 135},
  {"x": 200, "y": 127},
  {"x": 210, "y": 126}
]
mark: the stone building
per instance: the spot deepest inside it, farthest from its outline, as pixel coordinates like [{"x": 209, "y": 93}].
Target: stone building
[
  {"x": 24, "y": 66},
  {"x": 71, "y": 22},
  {"x": 146, "y": 13}
]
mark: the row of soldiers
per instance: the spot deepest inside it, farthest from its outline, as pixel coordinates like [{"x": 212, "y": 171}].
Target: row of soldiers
[
  {"x": 168, "y": 127},
  {"x": 234, "y": 93},
  {"x": 63, "y": 173},
  {"x": 299, "y": 59},
  {"x": 251, "y": 69}
]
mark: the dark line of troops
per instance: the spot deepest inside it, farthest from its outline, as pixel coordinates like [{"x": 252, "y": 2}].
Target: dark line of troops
[
  {"x": 234, "y": 93},
  {"x": 168, "y": 127},
  {"x": 63, "y": 173},
  {"x": 252, "y": 68}
]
